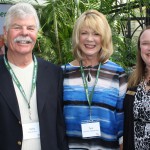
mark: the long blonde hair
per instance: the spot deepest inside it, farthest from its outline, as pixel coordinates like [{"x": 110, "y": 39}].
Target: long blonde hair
[{"x": 97, "y": 22}]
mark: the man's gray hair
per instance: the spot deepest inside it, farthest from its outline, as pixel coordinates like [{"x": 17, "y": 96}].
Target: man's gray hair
[{"x": 20, "y": 10}]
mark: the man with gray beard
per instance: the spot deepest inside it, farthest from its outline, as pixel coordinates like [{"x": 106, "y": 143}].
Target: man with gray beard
[{"x": 30, "y": 88}]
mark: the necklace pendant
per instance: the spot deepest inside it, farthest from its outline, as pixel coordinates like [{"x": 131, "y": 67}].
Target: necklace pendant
[{"x": 89, "y": 77}]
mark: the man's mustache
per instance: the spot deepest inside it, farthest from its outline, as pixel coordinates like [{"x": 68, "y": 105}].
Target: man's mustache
[{"x": 23, "y": 40}]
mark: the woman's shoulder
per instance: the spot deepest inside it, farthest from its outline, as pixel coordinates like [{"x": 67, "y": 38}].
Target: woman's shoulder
[
  {"x": 110, "y": 65},
  {"x": 131, "y": 90},
  {"x": 70, "y": 66}
]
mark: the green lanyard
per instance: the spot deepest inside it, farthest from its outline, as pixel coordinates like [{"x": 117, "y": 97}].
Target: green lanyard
[
  {"x": 18, "y": 83},
  {"x": 89, "y": 95}
]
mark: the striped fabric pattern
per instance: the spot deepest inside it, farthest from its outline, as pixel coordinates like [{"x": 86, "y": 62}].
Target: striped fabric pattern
[{"x": 107, "y": 105}]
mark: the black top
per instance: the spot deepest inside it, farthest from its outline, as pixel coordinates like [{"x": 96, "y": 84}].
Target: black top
[{"x": 128, "y": 136}]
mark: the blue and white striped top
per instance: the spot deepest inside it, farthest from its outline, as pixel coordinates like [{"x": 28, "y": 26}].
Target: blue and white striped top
[{"x": 107, "y": 105}]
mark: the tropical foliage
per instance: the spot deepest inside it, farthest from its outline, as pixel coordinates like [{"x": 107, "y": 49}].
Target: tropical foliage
[{"x": 57, "y": 18}]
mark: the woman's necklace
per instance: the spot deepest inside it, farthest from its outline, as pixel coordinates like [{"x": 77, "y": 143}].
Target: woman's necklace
[
  {"x": 89, "y": 69},
  {"x": 89, "y": 76}
]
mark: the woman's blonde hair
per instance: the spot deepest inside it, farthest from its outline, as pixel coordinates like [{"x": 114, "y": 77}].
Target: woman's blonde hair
[
  {"x": 97, "y": 22},
  {"x": 140, "y": 70}
]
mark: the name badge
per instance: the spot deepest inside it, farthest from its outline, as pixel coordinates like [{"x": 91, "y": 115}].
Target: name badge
[
  {"x": 31, "y": 130},
  {"x": 90, "y": 129}
]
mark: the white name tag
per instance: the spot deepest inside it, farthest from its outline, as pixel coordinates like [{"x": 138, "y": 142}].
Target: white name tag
[
  {"x": 31, "y": 130},
  {"x": 90, "y": 129}
]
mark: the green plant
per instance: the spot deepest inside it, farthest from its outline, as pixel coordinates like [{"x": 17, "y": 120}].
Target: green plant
[{"x": 57, "y": 18}]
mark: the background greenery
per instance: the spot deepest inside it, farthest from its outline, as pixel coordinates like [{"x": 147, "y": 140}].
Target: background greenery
[{"x": 57, "y": 18}]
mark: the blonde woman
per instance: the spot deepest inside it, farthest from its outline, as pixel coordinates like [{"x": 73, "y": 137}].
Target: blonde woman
[{"x": 94, "y": 87}]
